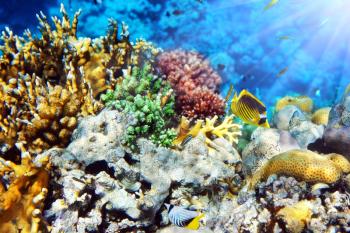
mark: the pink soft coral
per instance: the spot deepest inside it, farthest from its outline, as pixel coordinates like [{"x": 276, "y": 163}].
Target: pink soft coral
[{"x": 195, "y": 84}]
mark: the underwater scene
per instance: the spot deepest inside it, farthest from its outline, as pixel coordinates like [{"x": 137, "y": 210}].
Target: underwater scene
[{"x": 174, "y": 116}]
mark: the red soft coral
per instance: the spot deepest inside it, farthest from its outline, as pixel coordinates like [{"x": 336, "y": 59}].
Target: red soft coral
[{"x": 195, "y": 84}]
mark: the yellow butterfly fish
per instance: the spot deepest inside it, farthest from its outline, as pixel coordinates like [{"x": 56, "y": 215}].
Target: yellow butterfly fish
[{"x": 249, "y": 109}]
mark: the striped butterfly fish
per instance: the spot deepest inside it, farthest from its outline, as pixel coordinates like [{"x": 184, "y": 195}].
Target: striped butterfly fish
[
  {"x": 183, "y": 217},
  {"x": 249, "y": 109}
]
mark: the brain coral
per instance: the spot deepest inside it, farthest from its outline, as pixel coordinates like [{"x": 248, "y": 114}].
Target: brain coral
[
  {"x": 195, "y": 84},
  {"x": 47, "y": 83},
  {"x": 304, "y": 165}
]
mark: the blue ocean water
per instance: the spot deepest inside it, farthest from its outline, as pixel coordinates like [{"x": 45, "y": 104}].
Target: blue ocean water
[{"x": 295, "y": 47}]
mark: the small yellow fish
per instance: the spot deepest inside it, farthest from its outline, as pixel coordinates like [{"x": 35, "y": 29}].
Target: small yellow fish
[
  {"x": 271, "y": 4},
  {"x": 347, "y": 90},
  {"x": 250, "y": 109},
  {"x": 282, "y": 72},
  {"x": 229, "y": 93},
  {"x": 183, "y": 217},
  {"x": 284, "y": 38}
]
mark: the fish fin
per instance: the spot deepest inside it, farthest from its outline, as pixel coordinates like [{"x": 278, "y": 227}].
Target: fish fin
[
  {"x": 253, "y": 97},
  {"x": 194, "y": 224}
]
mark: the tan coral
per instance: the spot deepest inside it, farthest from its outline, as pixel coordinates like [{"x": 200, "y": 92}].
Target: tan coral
[
  {"x": 320, "y": 117},
  {"x": 226, "y": 129},
  {"x": 304, "y": 103},
  {"x": 22, "y": 200},
  {"x": 304, "y": 165},
  {"x": 296, "y": 216}
]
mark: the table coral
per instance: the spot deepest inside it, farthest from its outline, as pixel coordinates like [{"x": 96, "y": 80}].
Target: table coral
[
  {"x": 48, "y": 82},
  {"x": 304, "y": 165},
  {"x": 195, "y": 84},
  {"x": 304, "y": 103},
  {"x": 22, "y": 193}
]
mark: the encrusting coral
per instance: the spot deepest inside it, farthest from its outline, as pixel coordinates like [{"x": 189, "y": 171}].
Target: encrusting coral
[
  {"x": 320, "y": 117},
  {"x": 22, "y": 193},
  {"x": 304, "y": 103},
  {"x": 47, "y": 83},
  {"x": 296, "y": 216},
  {"x": 195, "y": 84},
  {"x": 226, "y": 129},
  {"x": 148, "y": 101},
  {"x": 304, "y": 165}
]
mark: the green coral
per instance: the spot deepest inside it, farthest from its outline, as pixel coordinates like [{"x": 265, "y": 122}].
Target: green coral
[{"x": 140, "y": 94}]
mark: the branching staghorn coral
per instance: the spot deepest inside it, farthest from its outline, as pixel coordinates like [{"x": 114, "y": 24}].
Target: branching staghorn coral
[
  {"x": 195, "y": 84},
  {"x": 22, "y": 193},
  {"x": 304, "y": 165},
  {"x": 226, "y": 129},
  {"x": 149, "y": 102},
  {"x": 47, "y": 83}
]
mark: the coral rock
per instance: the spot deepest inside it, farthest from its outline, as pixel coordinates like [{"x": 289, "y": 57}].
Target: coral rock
[
  {"x": 337, "y": 133},
  {"x": 95, "y": 172},
  {"x": 265, "y": 143}
]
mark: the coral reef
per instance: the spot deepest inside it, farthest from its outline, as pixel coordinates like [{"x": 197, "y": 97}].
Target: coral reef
[
  {"x": 304, "y": 165},
  {"x": 263, "y": 210},
  {"x": 304, "y": 103},
  {"x": 195, "y": 84},
  {"x": 98, "y": 185},
  {"x": 263, "y": 145},
  {"x": 226, "y": 129},
  {"x": 337, "y": 133},
  {"x": 47, "y": 83},
  {"x": 23, "y": 190},
  {"x": 148, "y": 102}
]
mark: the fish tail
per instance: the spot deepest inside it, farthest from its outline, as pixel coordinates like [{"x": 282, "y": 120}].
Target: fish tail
[{"x": 194, "y": 224}]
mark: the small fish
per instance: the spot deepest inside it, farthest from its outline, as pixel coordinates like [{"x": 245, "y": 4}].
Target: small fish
[
  {"x": 165, "y": 98},
  {"x": 324, "y": 22},
  {"x": 250, "y": 109},
  {"x": 221, "y": 66},
  {"x": 284, "y": 38},
  {"x": 229, "y": 93},
  {"x": 271, "y": 4},
  {"x": 200, "y": 1},
  {"x": 282, "y": 72},
  {"x": 177, "y": 12},
  {"x": 183, "y": 217},
  {"x": 347, "y": 90}
]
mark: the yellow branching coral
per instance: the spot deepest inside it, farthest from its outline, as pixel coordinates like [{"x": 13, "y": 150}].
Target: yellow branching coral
[
  {"x": 226, "y": 129},
  {"x": 22, "y": 193},
  {"x": 304, "y": 165},
  {"x": 47, "y": 83},
  {"x": 296, "y": 216},
  {"x": 304, "y": 103},
  {"x": 320, "y": 117}
]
